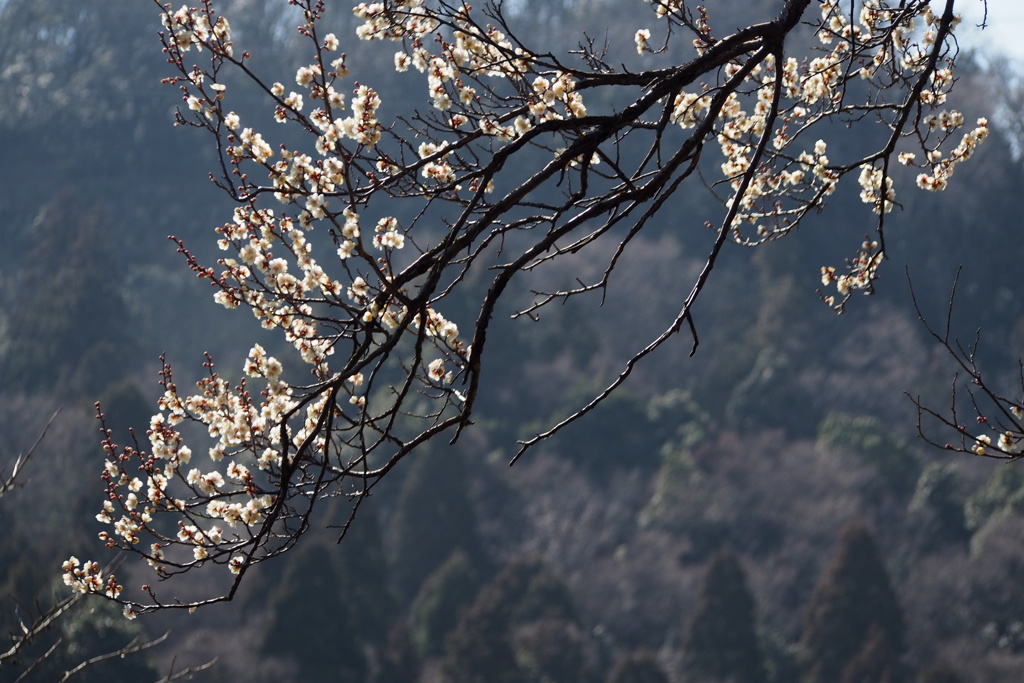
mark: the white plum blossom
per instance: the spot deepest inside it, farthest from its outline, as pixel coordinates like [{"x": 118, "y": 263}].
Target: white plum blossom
[{"x": 640, "y": 38}]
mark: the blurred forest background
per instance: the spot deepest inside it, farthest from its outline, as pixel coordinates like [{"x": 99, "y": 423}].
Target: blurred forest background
[{"x": 761, "y": 513}]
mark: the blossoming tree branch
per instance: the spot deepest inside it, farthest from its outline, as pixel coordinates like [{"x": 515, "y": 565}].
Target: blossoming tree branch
[
  {"x": 989, "y": 421},
  {"x": 351, "y": 243}
]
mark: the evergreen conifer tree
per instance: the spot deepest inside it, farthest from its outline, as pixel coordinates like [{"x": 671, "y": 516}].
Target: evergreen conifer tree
[
  {"x": 720, "y": 642},
  {"x": 362, "y": 560},
  {"x": 551, "y": 650},
  {"x": 639, "y": 666},
  {"x": 937, "y": 507},
  {"x": 852, "y": 605},
  {"x": 312, "y": 623},
  {"x": 875, "y": 663},
  {"x": 435, "y": 612},
  {"x": 399, "y": 663},
  {"x": 940, "y": 672},
  {"x": 63, "y": 320},
  {"x": 434, "y": 518},
  {"x": 480, "y": 649}
]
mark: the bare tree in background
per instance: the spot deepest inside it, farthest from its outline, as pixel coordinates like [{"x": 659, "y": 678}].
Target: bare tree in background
[{"x": 353, "y": 243}]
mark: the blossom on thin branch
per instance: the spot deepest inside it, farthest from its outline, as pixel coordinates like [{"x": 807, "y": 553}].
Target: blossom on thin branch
[
  {"x": 350, "y": 244},
  {"x": 993, "y": 424}
]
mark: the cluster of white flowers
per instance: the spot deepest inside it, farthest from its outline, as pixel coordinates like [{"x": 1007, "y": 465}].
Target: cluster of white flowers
[
  {"x": 475, "y": 51},
  {"x": 882, "y": 44},
  {"x": 663, "y": 8},
  {"x": 862, "y": 272},
  {"x": 641, "y": 38},
  {"x": 1009, "y": 442},
  {"x": 256, "y": 434},
  {"x": 871, "y": 189},
  {"x": 379, "y": 20},
  {"x": 561, "y": 88},
  {"x": 192, "y": 27},
  {"x": 87, "y": 577},
  {"x": 438, "y": 326},
  {"x": 943, "y": 166},
  {"x": 235, "y": 424}
]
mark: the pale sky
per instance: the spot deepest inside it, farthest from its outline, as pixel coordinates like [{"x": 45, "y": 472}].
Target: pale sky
[{"x": 1005, "y": 32}]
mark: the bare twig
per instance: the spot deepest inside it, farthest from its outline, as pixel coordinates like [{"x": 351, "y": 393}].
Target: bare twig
[
  {"x": 11, "y": 481},
  {"x": 998, "y": 421}
]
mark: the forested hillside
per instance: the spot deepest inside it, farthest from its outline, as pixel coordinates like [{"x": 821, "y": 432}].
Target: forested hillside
[{"x": 762, "y": 512}]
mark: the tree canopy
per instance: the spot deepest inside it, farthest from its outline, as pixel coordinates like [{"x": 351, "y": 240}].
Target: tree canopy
[{"x": 382, "y": 245}]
